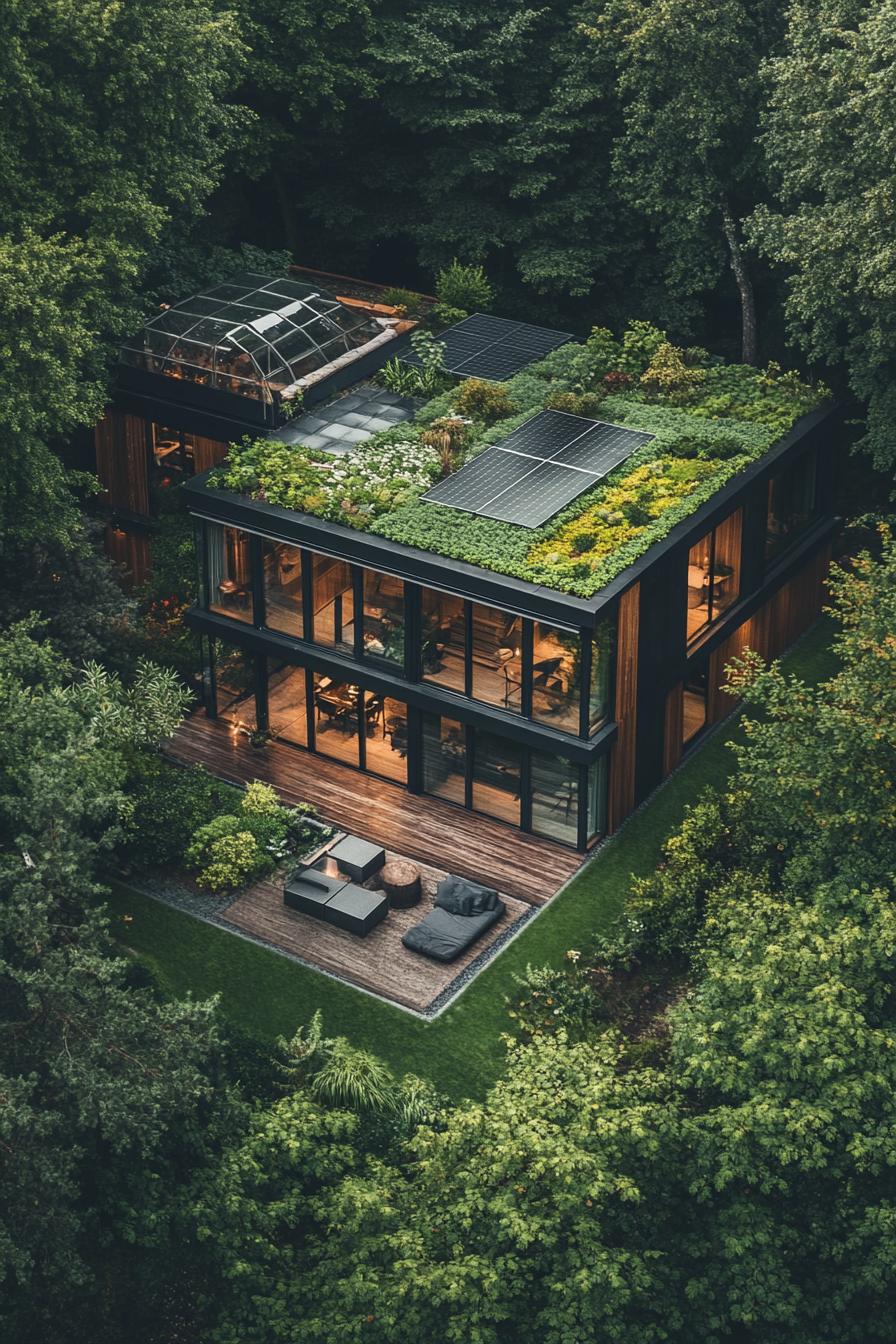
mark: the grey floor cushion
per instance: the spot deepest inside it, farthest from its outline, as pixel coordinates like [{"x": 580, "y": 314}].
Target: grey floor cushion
[{"x": 444, "y": 936}]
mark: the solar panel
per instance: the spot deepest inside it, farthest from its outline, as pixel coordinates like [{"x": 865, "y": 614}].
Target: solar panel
[
  {"x": 494, "y": 348},
  {"x": 538, "y": 469}
]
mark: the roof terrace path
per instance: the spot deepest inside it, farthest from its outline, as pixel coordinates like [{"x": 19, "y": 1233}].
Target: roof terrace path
[{"x": 421, "y": 828}]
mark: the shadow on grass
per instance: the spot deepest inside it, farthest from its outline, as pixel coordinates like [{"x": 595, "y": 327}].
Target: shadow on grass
[{"x": 461, "y": 1051}]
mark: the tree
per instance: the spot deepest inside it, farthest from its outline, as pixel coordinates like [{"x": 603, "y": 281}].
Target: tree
[
  {"x": 108, "y": 1097},
  {"x": 688, "y": 154},
  {"x": 112, "y": 121},
  {"x": 829, "y": 136}
]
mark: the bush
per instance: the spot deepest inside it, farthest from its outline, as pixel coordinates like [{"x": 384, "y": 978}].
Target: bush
[
  {"x": 483, "y": 401},
  {"x": 553, "y": 998},
  {"x": 225, "y": 853},
  {"x": 575, "y": 403},
  {"x": 170, "y": 802},
  {"x": 443, "y": 315},
  {"x": 230, "y": 861},
  {"x": 605, "y": 351},
  {"x": 412, "y": 303},
  {"x": 465, "y": 287},
  {"x": 639, "y": 345},
  {"x": 260, "y": 799},
  {"x": 668, "y": 378}
]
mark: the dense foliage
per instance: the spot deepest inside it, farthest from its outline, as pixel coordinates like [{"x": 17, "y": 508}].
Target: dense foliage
[{"x": 708, "y": 422}]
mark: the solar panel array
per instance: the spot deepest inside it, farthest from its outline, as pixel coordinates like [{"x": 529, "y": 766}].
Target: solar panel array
[
  {"x": 494, "y": 348},
  {"x": 538, "y": 469}
]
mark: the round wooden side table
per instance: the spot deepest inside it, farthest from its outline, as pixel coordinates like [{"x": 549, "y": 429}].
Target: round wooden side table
[{"x": 400, "y": 880}]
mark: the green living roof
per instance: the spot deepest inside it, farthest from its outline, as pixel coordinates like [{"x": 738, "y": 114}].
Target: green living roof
[{"x": 708, "y": 421}]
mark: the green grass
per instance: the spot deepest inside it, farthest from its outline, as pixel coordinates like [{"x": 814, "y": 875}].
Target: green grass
[{"x": 461, "y": 1051}]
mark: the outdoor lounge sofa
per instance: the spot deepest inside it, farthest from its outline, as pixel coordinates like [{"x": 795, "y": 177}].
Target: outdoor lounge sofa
[
  {"x": 335, "y": 901},
  {"x": 463, "y": 912}
]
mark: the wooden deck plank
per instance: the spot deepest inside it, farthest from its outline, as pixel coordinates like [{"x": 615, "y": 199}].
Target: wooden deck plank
[
  {"x": 422, "y": 828},
  {"x": 378, "y": 962}
]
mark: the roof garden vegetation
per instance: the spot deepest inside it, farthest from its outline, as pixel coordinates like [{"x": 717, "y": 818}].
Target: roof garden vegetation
[{"x": 710, "y": 421}]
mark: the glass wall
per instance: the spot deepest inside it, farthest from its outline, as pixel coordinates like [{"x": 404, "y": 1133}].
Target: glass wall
[
  {"x": 556, "y": 674},
  {"x": 229, "y": 572},
  {"x": 695, "y": 697},
  {"x": 384, "y": 617},
  {"x": 333, "y": 607},
  {"x": 603, "y": 649},
  {"x": 337, "y": 719},
  {"x": 443, "y": 642},
  {"x": 282, "y": 567},
  {"x": 444, "y": 758},
  {"x": 598, "y": 776},
  {"x": 287, "y": 707},
  {"x": 172, "y": 450},
  {"x": 497, "y": 777},
  {"x": 235, "y": 685},
  {"x": 792, "y": 504},
  {"x": 714, "y": 574},
  {"x": 555, "y": 797},
  {"x": 496, "y": 655},
  {"x": 386, "y": 741}
]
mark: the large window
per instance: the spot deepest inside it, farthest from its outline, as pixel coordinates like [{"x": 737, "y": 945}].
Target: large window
[
  {"x": 714, "y": 574},
  {"x": 172, "y": 450},
  {"x": 235, "y": 684},
  {"x": 287, "y": 707},
  {"x": 555, "y": 797},
  {"x": 556, "y": 669},
  {"x": 792, "y": 504},
  {"x": 497, "y": 777},
  {"x": 497, "y": 639},
  {"x": 603, "y": 648},
  {"x": 229, "y": 572},
  {"x": 443, "y": 641},
  {"x": 333, "y": 610},
  {"x": 444, "y": 758},
  {"x": 695, "y": 696},
  {"x": 386, "y": 739},
  {"x": 383, "y": 625},
  {"x": 337, "y": 731},
  {"x": 283, "y": 588}
]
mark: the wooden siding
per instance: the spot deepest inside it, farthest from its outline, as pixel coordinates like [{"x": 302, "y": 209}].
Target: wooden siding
[
  {"x": 674, "y": 728},
  {"x": 131, "y": 550},
  {"x": 772, "y": 629},
  {"x": 622, "y": 765},
  {"x": 207, "y": 453},
  {"x": 421, "y": 828},
  {"x": 121, "y": 461}
]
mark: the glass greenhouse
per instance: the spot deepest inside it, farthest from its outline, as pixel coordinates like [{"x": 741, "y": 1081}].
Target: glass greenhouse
[{"x": 253, "y": 336}]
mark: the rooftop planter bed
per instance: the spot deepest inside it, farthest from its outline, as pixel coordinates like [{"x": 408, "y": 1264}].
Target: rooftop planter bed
[{"x": 710, "y": 421}]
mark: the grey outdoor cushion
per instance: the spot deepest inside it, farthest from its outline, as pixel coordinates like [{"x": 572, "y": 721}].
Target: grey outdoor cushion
[
  {"x": 444, "y": 936},
  {"x": 460, "y": 896}
]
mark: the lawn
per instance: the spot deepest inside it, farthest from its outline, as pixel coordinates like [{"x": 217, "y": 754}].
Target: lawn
[{"x": 461, "y": 1051}]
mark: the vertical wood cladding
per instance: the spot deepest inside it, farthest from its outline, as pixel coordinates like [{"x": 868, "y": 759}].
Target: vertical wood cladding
[
  {"x": 207, "y": 453},
  {"x": 622, "y": 768},
  {"x": 131, "y": 550},
  {"x": 674, "y": 728},
  {"x": 122, "y": 461},
  {"x": 775, "y": 626}
]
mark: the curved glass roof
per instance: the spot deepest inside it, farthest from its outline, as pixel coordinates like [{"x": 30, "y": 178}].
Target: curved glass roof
[{"x": 251, "y": 335}]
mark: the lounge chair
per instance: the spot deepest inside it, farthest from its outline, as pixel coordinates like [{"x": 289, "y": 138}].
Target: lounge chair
[{"x": 463, "y": 911}]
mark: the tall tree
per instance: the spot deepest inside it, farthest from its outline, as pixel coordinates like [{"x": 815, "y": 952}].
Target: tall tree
[
  {"x": 112, "y": 120},
  {"x": 688, "y": 156},
  {"x": 106, "y": 1093},
  {"x": 830, "y": 141}
]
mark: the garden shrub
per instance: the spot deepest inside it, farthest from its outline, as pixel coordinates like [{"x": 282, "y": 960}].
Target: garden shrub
[
  {"x": 640, "y": 343},
  {"x": 443, "y": 315},
  {"x": 668, "y": 378},
  {"x": 483, "y": 401},
  {"x": 229, "y": 861},
  {"x": 465, "y": 287},
  {"x": 575, "y": 403},
  {"x": 412, "y": 302},
  {"x": 170, "y": 802},
  {"x": 260, "y": 799},
  {"x": 551, "y": 999}
]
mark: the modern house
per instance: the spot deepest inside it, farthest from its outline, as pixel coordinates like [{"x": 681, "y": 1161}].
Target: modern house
[{"x": 533, "y": 704}]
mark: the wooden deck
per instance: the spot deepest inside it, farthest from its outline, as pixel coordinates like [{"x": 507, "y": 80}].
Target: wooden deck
[
  {"x": 379, "y": 962},
  {"x": 422, "y": 828}
]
